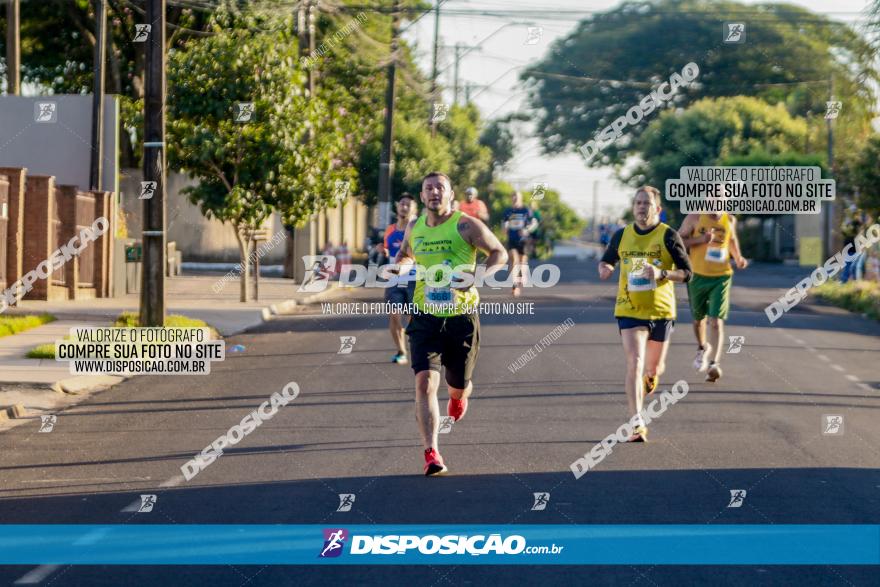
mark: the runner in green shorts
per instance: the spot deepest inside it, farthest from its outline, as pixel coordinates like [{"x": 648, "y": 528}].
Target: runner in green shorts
[{"x": 712, "y": 242}]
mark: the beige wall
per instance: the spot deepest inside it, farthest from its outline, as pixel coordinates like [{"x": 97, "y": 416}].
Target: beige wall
[{"x": 206, "y": 240}]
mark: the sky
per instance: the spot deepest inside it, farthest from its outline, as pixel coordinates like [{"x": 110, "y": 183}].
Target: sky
[{"x": 504, "y": 53}]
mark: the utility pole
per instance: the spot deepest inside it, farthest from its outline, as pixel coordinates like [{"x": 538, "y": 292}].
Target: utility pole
[
  {"x": 98, "y": 96},
  {"x": 595, "y": 211},
  {"x": 13, "y": 47},
  {"x": 829, "y": 206},
  {"x": 458, "y": 49},
  {"x": 153, "y": 276},
  {"x": 386, "y": 162},
  {"x": 434, "y": 66},
  {"x": 311, "y": 9}
]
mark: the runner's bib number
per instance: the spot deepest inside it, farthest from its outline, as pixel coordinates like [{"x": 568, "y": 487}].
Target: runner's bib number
[
  {"x": 716, "y": 254},
  {"x": 517, "y": 223},
  {"x": 639, "y": 278},
  {"x": 438, "y": 295}
]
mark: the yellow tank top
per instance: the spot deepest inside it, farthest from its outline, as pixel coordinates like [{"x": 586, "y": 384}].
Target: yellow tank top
[
  {"x": 441, "y": 250},
  {"x": 639, "y": 296},
  {"x": 712, "y": 259}
]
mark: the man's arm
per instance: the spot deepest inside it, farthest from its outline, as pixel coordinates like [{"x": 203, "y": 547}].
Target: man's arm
[
  {"x": 735, "y": 252},
  {"x": 484, "y": 212},
  {"x": 478, "y": 235},
  {"x": 683, "y": 272},
  {"x": 405, "y": 253},
  {"x": 686, "y": 232},
  {"x": 611, "y": 256}
]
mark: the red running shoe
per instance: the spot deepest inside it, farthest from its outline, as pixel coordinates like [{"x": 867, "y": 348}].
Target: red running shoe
[
  {"x": 456, "y": 408},
  {"x": 433, "y": 463}
]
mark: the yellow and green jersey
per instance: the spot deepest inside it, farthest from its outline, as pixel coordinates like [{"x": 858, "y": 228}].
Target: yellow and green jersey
[
  {"x": 712, "y": 259},
  {"x": 441, "y": 250},
  {"x": 639, "y": 295}
]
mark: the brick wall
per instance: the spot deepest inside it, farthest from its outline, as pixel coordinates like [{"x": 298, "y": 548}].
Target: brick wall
[
  {"x": 15, "y": 224},
  {"x": 39, "y": 209}
]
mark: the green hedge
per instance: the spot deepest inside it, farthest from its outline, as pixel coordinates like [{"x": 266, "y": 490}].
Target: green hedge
[
  {"x": 10, "y": 325},
  {"x": 856, "y": 296}
]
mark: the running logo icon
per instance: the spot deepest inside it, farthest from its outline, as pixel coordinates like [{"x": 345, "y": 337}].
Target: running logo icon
[
  {"x": 341, "y": 189},
  {"x": 736, "y": 345},
  {"x": 440, "y": 111},
  {"x": 541, "y": 501},
  {"x": 832, "y": 424},
  {"x": 734, "y": 32},
  {"x": 446, "y": 423},
  {"x": 346, "y": 344},
  {"x": 47, "y": 423},
  {"x": 533, "y": 35},
  {"x": 737, "y": 496},
  {"x": 539, "y": 191},
  {"x": 45, "y": 112},
  {"x": 346, "y": 500},
  {"x": 141, "y": 32},
  {"x": 334, "y": 541},
  {"x": 319, "y": 269},
  {"x": 244, "y": 111},
  {"x": 832, "y": 109},
  {"x": 147, "y": 503},
  {"x": 148, "y": 189}
]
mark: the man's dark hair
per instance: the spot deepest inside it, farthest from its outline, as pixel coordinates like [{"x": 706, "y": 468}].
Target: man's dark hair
[
  {"x": 405, "y": 195},
  {"x": 437, "y": 174}
]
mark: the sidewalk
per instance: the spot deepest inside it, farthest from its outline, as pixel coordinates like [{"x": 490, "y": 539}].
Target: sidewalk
[{"x": 192, "y": 296}]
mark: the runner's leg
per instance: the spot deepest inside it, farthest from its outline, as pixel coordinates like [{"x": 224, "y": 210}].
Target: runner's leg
[
  {"x": 716, "y": 333},
  {"x": 427, "y": 408},
  {"x": 395, "y": 325},
  {"x": 634, "y": 342},
  {"x": 655, "y": 361}
]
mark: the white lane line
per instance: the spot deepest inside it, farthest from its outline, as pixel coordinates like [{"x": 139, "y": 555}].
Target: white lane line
[
  {"x": 866, "y": 387},
  {"x": 37, "y": 575},
  {"x": 824, "y": 358},
  {"x": 811, "y": 349},
  {"x": 837, "y": 367},
  {"x": 852, "y": 377},
  {"x": 797, "y": 340}
]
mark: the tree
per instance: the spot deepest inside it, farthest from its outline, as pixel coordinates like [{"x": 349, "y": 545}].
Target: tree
[
  {"x": 58, "y": 52},
  {"x": 614, "y": 58},
  {"x": 863, "y": 174},
  {"x": 246, "y": 169},
  {"x": 710, "y": 130},
  {"x": 558, "y": 220}
]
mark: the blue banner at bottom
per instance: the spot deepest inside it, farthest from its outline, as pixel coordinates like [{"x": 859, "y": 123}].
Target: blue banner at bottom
[{"x": 163, "y": 544}]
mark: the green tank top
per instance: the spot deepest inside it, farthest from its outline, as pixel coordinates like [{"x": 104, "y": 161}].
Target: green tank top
[{"x": 440, "y": 250}]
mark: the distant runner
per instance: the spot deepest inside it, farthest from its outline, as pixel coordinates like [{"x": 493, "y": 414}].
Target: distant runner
[
  {"x": 401, "y": 293},
  {"x": 652, "y": 256},
  {"x": 519, "y": 222},
  {"x": 712, "y": 242},
  {"x": 473, "y": 206},
  {"x": 446, "y": 328}
]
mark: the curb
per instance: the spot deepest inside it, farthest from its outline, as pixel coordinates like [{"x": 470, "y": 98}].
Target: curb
[
  {"x": 287, "y": 307},
  {"x": 13, "y": 412},
  {"x": 86, "y": 384}
]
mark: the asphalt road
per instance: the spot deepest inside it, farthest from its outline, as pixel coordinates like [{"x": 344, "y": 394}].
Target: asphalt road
[{"x": 351, "y": 430}]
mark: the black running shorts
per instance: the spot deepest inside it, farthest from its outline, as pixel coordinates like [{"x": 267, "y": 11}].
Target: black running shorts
[
  {"x": 517, "y": 244},
  {"x": 453, "y": 342},
  {"x": 658, "y": 330}
]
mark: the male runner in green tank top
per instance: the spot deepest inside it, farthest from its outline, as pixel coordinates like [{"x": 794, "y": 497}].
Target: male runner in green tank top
[{"x": 445, "y": 329}]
